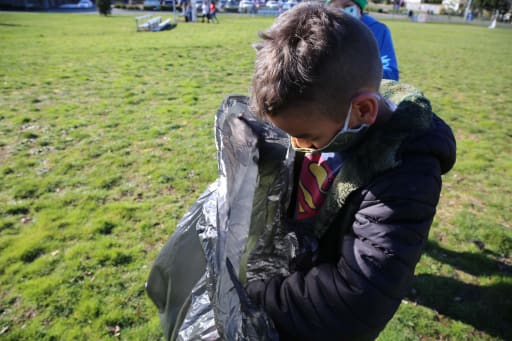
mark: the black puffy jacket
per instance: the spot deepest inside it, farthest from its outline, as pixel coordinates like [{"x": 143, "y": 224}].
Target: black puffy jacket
[{"x": 374, "y": 235}]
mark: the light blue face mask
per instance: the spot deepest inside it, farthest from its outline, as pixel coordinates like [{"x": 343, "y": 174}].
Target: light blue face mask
[
  {"x": 342, "y": 141},
  {"x": 352, "y": 10}
]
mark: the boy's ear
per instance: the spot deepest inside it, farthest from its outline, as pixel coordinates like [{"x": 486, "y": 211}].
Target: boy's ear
[{"x": 367, "y": 107}]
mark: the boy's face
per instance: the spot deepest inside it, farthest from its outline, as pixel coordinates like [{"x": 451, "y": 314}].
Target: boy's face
[{"x": 307, "y": 126}]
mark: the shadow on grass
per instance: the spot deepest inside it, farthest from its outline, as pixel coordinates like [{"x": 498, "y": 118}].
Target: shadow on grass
[{"x": 487, "y": 308}]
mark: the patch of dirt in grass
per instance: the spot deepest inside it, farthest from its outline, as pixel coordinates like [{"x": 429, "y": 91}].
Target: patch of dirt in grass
[
  {"x": 4, "y": 154},
  {"x": 462, "y": 135},
  {"x": 450, "y": 204},
  {"x": 455, "y": 196}
]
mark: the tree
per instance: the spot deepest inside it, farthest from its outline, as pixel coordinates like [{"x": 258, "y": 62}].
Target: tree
[
  {"x": 103, "y": 7},
  {"x": 502, "y": 6}
]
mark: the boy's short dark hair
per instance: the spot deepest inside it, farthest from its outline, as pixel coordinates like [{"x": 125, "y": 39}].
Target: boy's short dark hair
[{"x": 314, "y": 53}]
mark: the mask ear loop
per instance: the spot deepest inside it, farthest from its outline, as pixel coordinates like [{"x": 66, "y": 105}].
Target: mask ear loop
[{"x": 347, "y": 119}]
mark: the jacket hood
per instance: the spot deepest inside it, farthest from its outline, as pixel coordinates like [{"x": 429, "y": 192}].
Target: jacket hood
[
  {"x": 436, "y": 138},
  {"x": 413, "y": 128}
]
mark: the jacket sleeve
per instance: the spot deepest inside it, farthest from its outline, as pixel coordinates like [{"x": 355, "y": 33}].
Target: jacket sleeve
[
  {"x": 387, "y": 55},
  {"x": 354, "y": 297}
]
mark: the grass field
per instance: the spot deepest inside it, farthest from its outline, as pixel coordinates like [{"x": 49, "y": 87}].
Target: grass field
[{"x": 106, "y": 138}]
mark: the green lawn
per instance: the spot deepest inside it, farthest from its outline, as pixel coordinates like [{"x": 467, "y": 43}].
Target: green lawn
[{"x": 106, "y": 137}]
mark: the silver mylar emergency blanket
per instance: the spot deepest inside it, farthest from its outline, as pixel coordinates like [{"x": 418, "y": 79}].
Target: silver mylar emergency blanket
[{"x": 232, "y": 234}]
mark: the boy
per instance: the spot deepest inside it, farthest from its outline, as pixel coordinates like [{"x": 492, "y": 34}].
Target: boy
[
  {"x": 368, "y": 176},
  {"x": 324, "y": 226}
]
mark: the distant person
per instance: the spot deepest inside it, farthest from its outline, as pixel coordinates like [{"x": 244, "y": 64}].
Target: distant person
[
  {"x": 205, "y": 12},
  {"x": 187, "y": 11},
  {"x": 213, "y": 12},
  {"x": 380, "y": 31}
]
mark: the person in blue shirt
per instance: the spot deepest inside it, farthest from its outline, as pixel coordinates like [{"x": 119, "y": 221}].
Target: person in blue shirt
[{"x": 380, "y": 32}]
